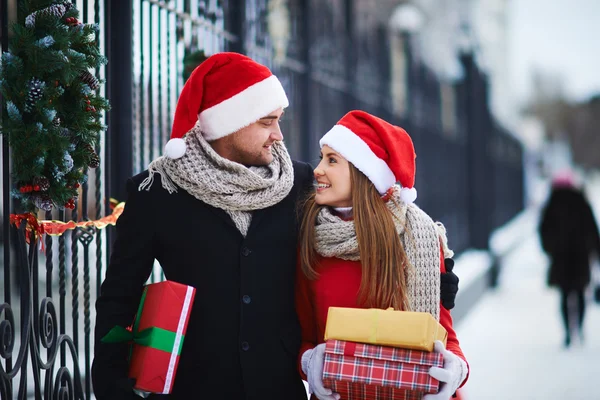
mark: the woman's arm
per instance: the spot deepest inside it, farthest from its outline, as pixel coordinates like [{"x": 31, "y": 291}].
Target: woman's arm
[{"x": 446, "y": 320}]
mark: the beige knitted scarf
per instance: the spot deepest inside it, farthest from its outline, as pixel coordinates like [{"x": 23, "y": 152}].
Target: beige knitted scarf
[
  {"x": 420, "y": 237},
  {"x": 222, "y": 183}
]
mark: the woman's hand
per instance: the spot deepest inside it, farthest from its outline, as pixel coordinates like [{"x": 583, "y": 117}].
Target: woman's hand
[
  {"x": 451, "y": 375},
  {"x": 312, "y": 365}
]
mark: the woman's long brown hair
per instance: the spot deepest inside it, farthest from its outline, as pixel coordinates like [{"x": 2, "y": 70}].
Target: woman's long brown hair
[{"x": 382, "y": 256}]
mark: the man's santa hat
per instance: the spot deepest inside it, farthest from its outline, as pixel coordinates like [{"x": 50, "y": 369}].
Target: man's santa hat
[
  {"x": 380, "y": 150},
  {"x": 225, "y": 93}
]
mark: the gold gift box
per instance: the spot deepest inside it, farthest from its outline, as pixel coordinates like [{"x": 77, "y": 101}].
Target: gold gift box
[{"x": 405, "y": 329}]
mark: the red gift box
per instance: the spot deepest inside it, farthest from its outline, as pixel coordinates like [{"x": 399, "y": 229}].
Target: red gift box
[
  {"x": 157, "y": 335},
  {"x": 363, "y": 371}
]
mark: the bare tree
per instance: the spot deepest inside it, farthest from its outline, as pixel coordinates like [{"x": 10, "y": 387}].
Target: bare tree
[{"x": 578, "y": 123}]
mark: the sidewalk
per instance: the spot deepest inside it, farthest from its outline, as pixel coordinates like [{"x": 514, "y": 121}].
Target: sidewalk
[{"x": 513, "y": 337}]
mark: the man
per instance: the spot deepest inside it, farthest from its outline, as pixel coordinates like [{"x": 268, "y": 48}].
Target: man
[{"x": 218, "y": 212}]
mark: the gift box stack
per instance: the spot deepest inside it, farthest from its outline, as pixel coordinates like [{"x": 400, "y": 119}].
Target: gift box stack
[
  {"x": 381, "y": 354},
  {"x": 157, "y": 335}
]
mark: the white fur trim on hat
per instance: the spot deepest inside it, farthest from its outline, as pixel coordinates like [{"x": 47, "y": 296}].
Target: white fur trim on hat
[
  {"x": 408, "y": 195},
  {"x": 175, "y": 148},
  {"x": 243, "y": 109},
  {"x": 355, "y": 150}
]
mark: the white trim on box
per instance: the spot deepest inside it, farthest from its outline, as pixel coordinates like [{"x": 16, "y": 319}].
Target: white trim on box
[
  {"x": 243, "y": 109},
  {"x": 356, "y": 151},
  {"x": 178, "y": 338}
]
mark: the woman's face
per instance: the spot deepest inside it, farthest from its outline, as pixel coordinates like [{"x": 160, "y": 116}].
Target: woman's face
[{"x": 333, "y": 180}]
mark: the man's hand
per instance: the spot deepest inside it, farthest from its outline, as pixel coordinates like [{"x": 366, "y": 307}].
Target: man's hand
[{"x": 448, "y": 285}]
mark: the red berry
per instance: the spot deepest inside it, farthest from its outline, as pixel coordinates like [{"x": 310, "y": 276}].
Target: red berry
[
  {"x": 77, "y": 185},
  {"x": 36, "y": 188}
]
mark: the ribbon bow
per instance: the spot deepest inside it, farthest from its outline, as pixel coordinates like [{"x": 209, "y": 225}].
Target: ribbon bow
[
  {"x": 33, "y": 229},
  {"x": 153, "y": 337}
]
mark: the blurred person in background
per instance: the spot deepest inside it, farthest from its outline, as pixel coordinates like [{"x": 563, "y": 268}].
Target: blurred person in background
[{"x": 569, "y": 235}]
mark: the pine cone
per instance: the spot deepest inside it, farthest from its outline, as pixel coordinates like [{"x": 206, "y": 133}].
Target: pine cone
[
  {"x": 42, "y": 182},
  {"x": 94, "y": 160},
  {"x": 43, "y": 202},
  {"x": 36, "y": 91},
  {"x": 89, "y": 148},
  {"x": 56, "y": 10},
  {"x": 67, "y": 162},
  {"x": 90, "y": 80}
]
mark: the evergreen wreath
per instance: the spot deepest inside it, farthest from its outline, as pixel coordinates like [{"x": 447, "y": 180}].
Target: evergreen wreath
[{"x": 51, "y": 107}]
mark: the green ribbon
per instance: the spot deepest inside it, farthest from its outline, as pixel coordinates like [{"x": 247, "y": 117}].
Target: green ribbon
[{"x": 153, "y": 337}]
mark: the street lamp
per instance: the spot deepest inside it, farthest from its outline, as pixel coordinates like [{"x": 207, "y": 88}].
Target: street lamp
[{"x": 406, "y": 21}]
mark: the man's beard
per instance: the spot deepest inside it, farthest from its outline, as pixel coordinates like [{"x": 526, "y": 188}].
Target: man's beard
[{"x": 253, "y": 159}]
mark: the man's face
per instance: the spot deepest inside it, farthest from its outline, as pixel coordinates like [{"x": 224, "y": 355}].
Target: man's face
[{"x": 252, "y": 145}]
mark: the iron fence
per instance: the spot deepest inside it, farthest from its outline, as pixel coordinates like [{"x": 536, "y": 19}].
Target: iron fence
[{"x": 469, "y": 169}]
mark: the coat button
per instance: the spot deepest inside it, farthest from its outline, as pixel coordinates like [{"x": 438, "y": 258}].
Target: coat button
[
  {"x": 246, "y": 299},
  {"x": 245, "y": 346},
  {"x": 246, "y": 251}
]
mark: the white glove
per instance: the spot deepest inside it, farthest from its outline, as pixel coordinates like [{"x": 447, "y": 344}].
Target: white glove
[
  {"x": 312, "y": 365},
  {"x": 452, "y": 375}
]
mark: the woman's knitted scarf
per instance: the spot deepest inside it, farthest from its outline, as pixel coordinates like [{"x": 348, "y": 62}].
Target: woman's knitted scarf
[{"x": 420, "y": 237}]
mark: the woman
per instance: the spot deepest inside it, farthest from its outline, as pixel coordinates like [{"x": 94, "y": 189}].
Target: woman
[
  {"x": 569, "y": 236},
  {"x": 364, "y": 244}
]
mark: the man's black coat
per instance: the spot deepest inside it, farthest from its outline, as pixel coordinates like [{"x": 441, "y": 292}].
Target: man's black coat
[{"x": 243, "y": 336}]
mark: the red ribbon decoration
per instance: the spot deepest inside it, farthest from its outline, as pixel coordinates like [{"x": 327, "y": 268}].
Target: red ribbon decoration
[
  {"x": 33, "y": 226},
  {"x": 39, "y": 228}
]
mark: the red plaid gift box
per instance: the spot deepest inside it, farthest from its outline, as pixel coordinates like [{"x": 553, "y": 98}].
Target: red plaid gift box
[{"x": 363, "y": 371}]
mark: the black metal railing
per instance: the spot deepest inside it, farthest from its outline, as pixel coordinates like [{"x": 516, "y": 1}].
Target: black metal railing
[
  {"x": 469, "y": 168},
  {"x": 47, "y": 350}
]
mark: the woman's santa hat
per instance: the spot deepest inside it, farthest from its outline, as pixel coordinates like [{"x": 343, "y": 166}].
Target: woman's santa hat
[
  {"x": 225, "y": 93},
  {"x": 380, "y": 150}
]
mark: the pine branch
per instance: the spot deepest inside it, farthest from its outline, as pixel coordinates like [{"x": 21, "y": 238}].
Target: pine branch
[{"x": 52, "y": 110}]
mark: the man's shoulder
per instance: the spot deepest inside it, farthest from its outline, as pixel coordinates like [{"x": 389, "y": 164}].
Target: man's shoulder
[
  {"x": 302, "y": 170},
  {"x": 139, "y": 178},
  {"x": 146, "y": 184}
]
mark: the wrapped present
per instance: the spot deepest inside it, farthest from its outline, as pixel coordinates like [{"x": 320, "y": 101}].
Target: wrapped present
[
  {"x": 157, "y": 335},
  {"x": 362, "y": 371},
  {"x": 405, "y": 329}
]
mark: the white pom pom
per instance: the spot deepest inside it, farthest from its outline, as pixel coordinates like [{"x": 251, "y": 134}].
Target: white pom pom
[
  {"x": 175, "y": 148},
  {"x": 408, "y": 195}
]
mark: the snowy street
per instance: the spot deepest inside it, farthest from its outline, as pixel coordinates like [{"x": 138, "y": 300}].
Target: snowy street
[{"x": 513, "y": 337}]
